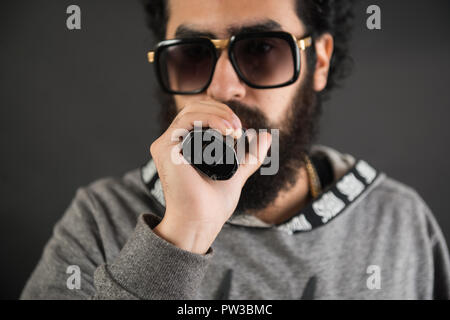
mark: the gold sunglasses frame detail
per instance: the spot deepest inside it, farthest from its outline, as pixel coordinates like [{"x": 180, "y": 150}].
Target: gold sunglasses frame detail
[{"x": 221, "y": 44}]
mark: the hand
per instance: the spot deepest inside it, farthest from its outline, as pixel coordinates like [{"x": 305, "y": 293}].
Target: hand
[{"x": 197, "y": 207}]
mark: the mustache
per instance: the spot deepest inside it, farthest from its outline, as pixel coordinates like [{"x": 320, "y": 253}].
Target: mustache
[{"x": 251, "y": 117}]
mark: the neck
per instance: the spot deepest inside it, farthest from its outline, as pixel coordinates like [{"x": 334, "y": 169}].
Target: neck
[{"x": 288, "y": 203}]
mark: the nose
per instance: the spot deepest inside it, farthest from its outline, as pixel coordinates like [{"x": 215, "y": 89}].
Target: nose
[{"x": 225, "y": 84}]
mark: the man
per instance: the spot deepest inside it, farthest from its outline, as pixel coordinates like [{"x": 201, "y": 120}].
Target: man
[{"x": 325, "y": 226}]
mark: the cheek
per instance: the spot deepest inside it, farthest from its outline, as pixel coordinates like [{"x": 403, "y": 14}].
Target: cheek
[{"x": 275, "y": 103}]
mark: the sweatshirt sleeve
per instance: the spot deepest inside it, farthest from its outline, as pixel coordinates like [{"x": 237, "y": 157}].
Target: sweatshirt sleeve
[
  {"x": 147, "y": 267},
  {"x": 441, "y": 260}
]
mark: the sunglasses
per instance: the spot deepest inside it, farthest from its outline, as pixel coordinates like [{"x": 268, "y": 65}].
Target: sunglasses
[{"x": 262, "y": 60}]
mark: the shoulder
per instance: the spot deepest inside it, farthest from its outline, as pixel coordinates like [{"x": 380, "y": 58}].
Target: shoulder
[
  {"x": 130, "y": 180},
  {"x": 393, "y": 192},
  {"x": 400, "y": 209},
  {"x": 390, "y": 193},
  {"x": 116, "y": 187},
  {"x": 116, "y": 201}
]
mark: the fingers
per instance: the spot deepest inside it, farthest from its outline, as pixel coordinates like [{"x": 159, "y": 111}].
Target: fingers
[
  {"x": 207, "y": 114},
  {"x": 207, "y": 120},
  {"x": 212, "y": 107},
  {"x": 259, "y": 146}
]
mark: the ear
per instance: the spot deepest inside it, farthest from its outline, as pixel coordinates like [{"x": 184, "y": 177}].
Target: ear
[{"x": 324, "y": 50}]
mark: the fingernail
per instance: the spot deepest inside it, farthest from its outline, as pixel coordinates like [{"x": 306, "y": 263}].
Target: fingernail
[
  {"x": 236, "y": 122},
  {"x": 228, "y": 125},
  {"x": 269, "y": 138},
  {"x": 237, "y": 133}
]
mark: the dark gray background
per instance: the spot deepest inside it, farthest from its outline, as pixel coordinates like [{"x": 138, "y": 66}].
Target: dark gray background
[{"x": 79, "y": 105}]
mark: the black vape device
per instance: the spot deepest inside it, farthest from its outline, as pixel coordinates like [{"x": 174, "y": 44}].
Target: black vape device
[{"x": 224, "y": 165}]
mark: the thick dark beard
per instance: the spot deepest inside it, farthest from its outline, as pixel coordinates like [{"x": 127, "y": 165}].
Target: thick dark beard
[{"x": 298, "y": 131}]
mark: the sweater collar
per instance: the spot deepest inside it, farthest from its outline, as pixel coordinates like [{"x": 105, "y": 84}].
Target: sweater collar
[{"x": 353, "y": 180}]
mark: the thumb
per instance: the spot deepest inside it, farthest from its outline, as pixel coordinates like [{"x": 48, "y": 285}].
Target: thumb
[{"x": 259, "y": 145}]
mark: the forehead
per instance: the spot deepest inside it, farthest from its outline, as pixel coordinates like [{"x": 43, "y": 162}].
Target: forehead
[{"x": 225, "y": 17}]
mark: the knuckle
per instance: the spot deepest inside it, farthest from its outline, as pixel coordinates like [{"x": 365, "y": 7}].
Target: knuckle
[
  {"x": 188, "y": 106},
  {"x": 226, "y": 108},
  {"x": 154, "y": 148},
  {"x": 230, "y": 114},
  {"x": 177, "y": 121},
  {"x": 213, "y": 119}
]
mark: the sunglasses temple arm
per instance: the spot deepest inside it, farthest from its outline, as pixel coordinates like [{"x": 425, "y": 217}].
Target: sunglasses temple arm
[
  {"x": 151, "y": 56},
  {"x": 304, "y": 43}
]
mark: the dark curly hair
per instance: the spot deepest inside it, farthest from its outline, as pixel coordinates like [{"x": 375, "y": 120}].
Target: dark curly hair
[{"x": 319, "y": 17}]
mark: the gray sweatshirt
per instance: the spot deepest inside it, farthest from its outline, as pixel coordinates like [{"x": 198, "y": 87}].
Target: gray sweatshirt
[{"x": 366, "y": 237}]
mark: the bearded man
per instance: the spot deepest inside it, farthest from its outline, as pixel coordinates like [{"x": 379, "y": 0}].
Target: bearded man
[{"x": 324, "y": 226}]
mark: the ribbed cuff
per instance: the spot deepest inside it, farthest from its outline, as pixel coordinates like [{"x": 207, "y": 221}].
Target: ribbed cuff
[{"x": 152, "y": 268}]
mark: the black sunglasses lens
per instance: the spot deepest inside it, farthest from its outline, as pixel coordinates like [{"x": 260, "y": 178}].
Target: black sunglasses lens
[
  {"x": 265, "y": 61},
  {"x": 186, "y": 67}
]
